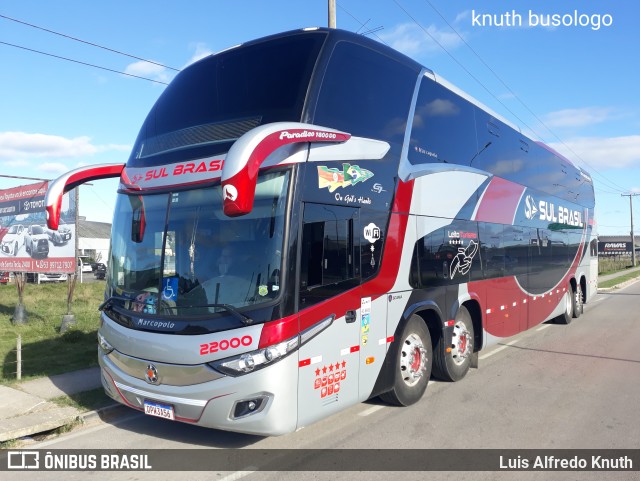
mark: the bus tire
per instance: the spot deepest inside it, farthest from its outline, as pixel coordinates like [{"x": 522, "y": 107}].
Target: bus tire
[
  {"x": 412, "y": 366},
  {"x": 452, "y": 361},
  {"x": 567, "y": 316},
  {"x": 578, "y": 306}
]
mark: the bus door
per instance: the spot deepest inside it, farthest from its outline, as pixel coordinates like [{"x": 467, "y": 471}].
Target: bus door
[{"x": 329, "y": 286}]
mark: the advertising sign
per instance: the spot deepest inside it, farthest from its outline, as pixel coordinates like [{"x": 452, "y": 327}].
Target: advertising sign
[
  {"x": 614, "y": 249},
  {"x": 26, "y": 243}
]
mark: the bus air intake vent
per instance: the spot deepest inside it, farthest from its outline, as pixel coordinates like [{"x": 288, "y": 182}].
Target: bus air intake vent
[{"x": 198, "y": 135}]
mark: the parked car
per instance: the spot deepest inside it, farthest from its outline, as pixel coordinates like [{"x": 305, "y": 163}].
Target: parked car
[
  {"x": 13, "y": 239},
  {"x": 84, "y": 265},
  {"x": 4, "y": 277},
  {"x": 100, "y": 271},
  {"x": 61, "y": 236},
  {"x": 36, "y": 241},
  {"x": 40, "y": 277}
]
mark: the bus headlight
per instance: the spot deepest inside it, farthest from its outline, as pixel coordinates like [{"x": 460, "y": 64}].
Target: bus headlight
[
  {"x": 104, "y": 344},
  {"x": 256, "y": 360}
]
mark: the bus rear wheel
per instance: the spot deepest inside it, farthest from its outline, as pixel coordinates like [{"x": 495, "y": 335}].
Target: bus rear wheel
[
  {"x": 577, "y": 306},
  {"x": 413, "y": 363},
  {"x": 453, "y": 360}
]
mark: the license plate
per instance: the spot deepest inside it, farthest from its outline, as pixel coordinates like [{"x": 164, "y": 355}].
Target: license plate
[{"x": 159, "y": 410}]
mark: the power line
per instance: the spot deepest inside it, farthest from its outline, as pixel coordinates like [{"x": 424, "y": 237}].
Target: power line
[
  {"x": 369, "y": 32},
  {"x": 460, "y": 65},
  {"x": 87, "y": 42},
  {"x": 611, "y": 183},
  {"x": 81, "y": 63}
]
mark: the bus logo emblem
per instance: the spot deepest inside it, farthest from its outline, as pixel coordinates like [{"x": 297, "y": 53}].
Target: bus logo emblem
[
  {"x": 530, "y": 209},
  {"x": 152, "y": 374},
  {"x": 229, "y": 192}
]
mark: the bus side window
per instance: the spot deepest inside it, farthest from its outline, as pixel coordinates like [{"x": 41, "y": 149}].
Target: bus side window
[{"x": 442, "y": 115}]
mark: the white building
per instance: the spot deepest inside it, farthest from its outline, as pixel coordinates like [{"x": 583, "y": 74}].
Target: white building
[{"x": 94, "y": 239}]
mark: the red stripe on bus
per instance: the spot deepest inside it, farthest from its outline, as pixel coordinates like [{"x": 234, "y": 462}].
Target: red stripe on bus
[{"x": 499, "y": 202}]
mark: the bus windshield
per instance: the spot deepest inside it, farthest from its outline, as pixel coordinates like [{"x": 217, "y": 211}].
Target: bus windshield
[{"x": 177, "y": 254}]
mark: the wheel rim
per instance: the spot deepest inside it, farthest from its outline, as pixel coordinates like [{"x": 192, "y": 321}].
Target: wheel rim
[
  {"x": 461, "y": 343},
  {"x": 413, "y": 360},
  {"x": 578, "y": 295},
  {"x": 567, "y": 301}
]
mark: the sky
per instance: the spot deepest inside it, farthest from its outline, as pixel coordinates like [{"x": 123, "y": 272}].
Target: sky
[{"x": 574, "y": 87}]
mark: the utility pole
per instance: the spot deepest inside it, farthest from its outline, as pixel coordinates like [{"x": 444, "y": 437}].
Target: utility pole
[
  {"x": 332, "y": 13},
  {"x": 633, "y": 240}
]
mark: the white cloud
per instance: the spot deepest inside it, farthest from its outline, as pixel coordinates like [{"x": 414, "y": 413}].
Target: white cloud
[
  {"x": 572, "y": 118},
  {"x": 53, "y": 167},
  {"x": 17, "y": 149},
  {"x": 412, "y": 40},
  {"x": 148, "y": 70},
  {"x": 603, "y": 152},
  {"x": 200, "y": 51},
  {"x": 24, "y": 145},
  {"x": 15, "y": 163},
  {"x": 112, "y": 147},
  {"x": 464, "y": 15}
]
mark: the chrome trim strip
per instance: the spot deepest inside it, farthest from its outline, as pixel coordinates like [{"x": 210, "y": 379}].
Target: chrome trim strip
[
  {"x": 169, "y": 374},
  {"x": 161, "y": 397}
]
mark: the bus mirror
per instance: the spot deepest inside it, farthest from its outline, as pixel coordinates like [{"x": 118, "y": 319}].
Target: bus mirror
[
  {"x": 70, "y": 180},
  {"x": 240, "y": 170}
]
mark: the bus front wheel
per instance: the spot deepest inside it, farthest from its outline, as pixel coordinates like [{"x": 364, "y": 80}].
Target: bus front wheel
[
  {"x": 413, "y": 363},
  {"x": 453, "y": 360}
]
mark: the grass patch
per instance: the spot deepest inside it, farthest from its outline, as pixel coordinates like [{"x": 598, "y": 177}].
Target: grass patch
[
  {"x": 611, "y": 265},
  {"x": 85, "y": 401},
  {"x": 618, "y": 280},
  {"x": 46, "y": 352}
]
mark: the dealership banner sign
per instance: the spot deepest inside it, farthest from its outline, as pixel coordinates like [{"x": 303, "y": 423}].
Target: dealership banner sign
[
  {"x": 26, "y": 243},
  {"x": 614, "y": 248}
]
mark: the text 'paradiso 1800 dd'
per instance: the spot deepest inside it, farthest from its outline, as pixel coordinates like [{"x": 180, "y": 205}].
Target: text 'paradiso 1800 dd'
[{"x": 312, "y": 219}]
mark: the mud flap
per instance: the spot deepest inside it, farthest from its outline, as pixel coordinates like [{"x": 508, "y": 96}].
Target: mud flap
[{"x": 474, "y": 360}]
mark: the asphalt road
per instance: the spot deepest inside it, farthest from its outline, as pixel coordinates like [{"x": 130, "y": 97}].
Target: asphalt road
[{"x": 553, "y": 387}]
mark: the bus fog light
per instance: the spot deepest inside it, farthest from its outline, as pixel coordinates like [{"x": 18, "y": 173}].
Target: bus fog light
[{"x": 248, "y": 407}]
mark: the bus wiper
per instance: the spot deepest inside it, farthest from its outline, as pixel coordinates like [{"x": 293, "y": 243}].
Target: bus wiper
[
  {"x": 246, "y": 320},
  {"x": 107, "y": 304}
]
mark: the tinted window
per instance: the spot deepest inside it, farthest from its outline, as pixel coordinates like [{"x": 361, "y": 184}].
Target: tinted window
[
  {"x": 443, "y": 127},
  {"x": 500, "y": 150},
  {"x": 492, "y": 249},
  {"x": 366, "y": 94},
  {"x": 329, "y": 260},
  {"x": 223, "y": 96},
  {"x": 447, "y": 255},
  {"x": 516, "y": 250}
]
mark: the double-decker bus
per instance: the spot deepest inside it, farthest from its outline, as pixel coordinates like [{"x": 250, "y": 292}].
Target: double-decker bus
[{"x": 312, "y": 219}]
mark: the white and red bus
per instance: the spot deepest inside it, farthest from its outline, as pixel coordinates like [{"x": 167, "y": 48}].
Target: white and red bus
[{"x": 312, "y": 219}]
